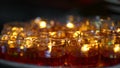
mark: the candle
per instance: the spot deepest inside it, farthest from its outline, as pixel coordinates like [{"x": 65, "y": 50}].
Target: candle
[
  {"x": 42, "y": 24},
  {"x": 116, "y": 48},
  {"x": 76, "y": 34},
  {"x": 48, "y": 52},
  {"x": 70, "y": 25},
  {"x": 118, "y": 30},
  {"x": 85, "y": 48}
]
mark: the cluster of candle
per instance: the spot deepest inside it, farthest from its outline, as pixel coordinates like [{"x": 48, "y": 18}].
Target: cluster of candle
[{"x": 90, "y": 43}]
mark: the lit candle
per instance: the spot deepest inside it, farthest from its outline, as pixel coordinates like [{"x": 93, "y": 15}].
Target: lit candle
[
  {"x": 70, "y": 25},
  {"x": 76, "y": 34},
  {"x": 28, "y": 42},
  {"x": 116, "y": 48},
  {"x": 85, "y": 48},
  {"x": 21, "y": 47},
  {"x": 42, "y": 24},
  {"x": 48, "y": 52},
  {"x": 11, "y": 44},
  {"x": 14, "y": 29},
  {"x": 118, "y": 30}
]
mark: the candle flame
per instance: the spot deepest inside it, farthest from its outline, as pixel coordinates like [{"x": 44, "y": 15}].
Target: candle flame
[
  {"x": 85, "y": 48},
  {"x": 14, "y": 29},
  {"x": 22, "y": 47},
  {"x": 50, "y": 47},
  {"x": 42, "y": 24},
  {"x": 76, "y": 34},
  {"x": 15, "y": 33},
  {"x": 118, "y": 30},
  {"x": 70, "y": 25},
  {"x": 117, "y": 48}
]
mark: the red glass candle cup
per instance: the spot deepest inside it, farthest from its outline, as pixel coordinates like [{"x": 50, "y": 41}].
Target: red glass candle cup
[
  {"x": 51, "y": 52},
  {"x": 82, "y": 52},
  {"x": 110, "y": 50}
]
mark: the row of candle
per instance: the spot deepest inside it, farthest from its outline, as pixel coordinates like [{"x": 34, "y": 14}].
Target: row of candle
[{"x": 56, "y": 44}]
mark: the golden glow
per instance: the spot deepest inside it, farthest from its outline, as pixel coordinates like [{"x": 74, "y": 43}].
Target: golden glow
[
  {"x": 13, "y": 37},
  {"x": 22, "y": 47},
  {"x": 52, "y": 33},
  {"x": 14, "y": 33},
  {"x": 4, "y": 37},
  {"x": 21, "y": 29},
  {"x": 62, "y": 41},
  {"x": 70, "y": 25},
  {"x": 11, "y": 44},
  {"x": 14, "y": 29},
  {"x": 87, "y": 23},
  {"x": 117, "y": 48},
  {"x": 85, "y": 48},
  {"x": 97, "y": 31},
  {"x": 28, "y": 42},
  {"x": 50, "y": 47},
  {"x": 118, "y": 30},
  {"x": 42, "y": 24},
  {"x": 76, "y": 34}
]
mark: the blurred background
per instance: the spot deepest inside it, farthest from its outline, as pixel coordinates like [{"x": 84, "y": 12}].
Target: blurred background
[
  {"x": 25, "y": 10},
  {"x": 22, "y": 10}
]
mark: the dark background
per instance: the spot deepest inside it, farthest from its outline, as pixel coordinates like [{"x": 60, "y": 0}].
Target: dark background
[
  {"x": 25, "y": 10},
  {"x": 22, "y": 10}
]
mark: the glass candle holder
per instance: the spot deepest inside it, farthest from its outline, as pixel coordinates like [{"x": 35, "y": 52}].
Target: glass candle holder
[
  {"x": 51, "y": 52},
  {"x": 83, "y": 51},
  {"x": 110, "y": 50}
]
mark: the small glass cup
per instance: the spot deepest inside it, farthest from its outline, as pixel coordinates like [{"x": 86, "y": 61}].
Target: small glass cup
[
  {"x": 110, "y": 50},
  {"x": 51, "y": 52},
  {"x": 83, "y": 51}
]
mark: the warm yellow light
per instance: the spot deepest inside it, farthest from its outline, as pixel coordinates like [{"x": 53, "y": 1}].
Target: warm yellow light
[
  {"x": 28, "y": 42},
  {"x": 14, "y": 33},
  {"x": 70, "y": 25},
  {"x": 21, "y": 29},
  {"x": 50, "y": 47},
  {"x": 14, "y": 29},
  {"x": 42, "y": 24},
  {"x": 4, "y": 37},
  {"x": 87, "y": 22},
  {"x": 118, "y": 30},
  {"x": 22, "y": 47},
  {"x": 117, "y": 48},
  {"x": 85, "y": 48},
  {"x": 62, "y": 42},
  {"x": 76, "y": 34},
  {"x": 52, "y": 33},
  {"x": 10, "y": 42}
]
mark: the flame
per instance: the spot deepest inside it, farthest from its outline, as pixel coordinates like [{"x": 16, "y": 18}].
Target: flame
[
  {"x": 85, "y": 48},
  {"x": 118, "y": 30},
  {"x": 52, "y": 34},
  {"x": 62, "y": 41},
  {"x": 50, "y": 47},
  {"x": 22, "y": 47},
  {"x": 14, "y": 33},
  {"x": 11, "y": 44},
  {"x": 116, "y": 48},
  {"x": 4, "y": 37},
  {"x": 42, "y": 24},
  {"x": 14, "y": 29},
  {"x": 28, "y": 42},
  {"x": 76, "y": 34},
  {"x": 70, "y": 25}
]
